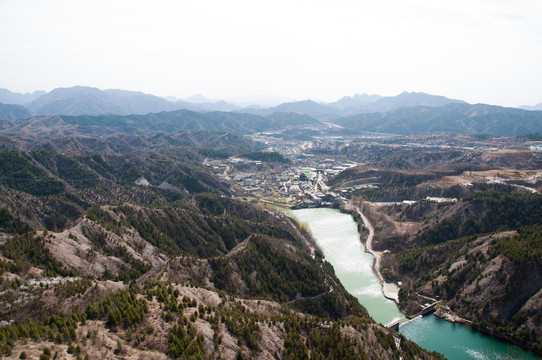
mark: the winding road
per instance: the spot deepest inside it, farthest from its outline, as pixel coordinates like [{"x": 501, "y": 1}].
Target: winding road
[{"x": 390, "y": 290}]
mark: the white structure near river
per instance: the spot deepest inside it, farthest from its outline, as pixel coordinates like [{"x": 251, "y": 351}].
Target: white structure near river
[{"x": 337, "y": 236}]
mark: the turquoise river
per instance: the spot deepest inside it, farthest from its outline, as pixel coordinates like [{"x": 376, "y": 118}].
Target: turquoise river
[{"x": 337, "y": 236}]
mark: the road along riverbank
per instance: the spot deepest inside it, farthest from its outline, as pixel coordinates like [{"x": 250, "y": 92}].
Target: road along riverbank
[
  {"x": 390, "y": 290},
  {"x": 337, "y": 236}
]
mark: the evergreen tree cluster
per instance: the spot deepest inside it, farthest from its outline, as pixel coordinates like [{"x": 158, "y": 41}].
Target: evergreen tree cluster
[
  {"x": 58, "y": 328},
  {"x": 30, "y": 250},
  {"x": 123, "y": 308},
  {"x": 486, "y": 212},
  {"x": 11, "y": 225},
  {"x": 19, "y": 173}
]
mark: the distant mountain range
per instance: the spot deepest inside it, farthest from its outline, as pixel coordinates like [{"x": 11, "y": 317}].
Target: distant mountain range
[
  {"x": 83, "y": 100},
  {"x": 357, "y": 104},
  {"x": 135, "y": 112},
  {"x": 534, "y": 107},
  {"x": 406, "y": 99}
]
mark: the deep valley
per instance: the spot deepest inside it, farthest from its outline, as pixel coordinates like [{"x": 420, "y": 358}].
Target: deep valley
[{"x": 168, "y": 234}]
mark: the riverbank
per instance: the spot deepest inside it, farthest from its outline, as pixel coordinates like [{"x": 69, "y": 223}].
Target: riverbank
[
  {"x": 390, "y": 290},
  {"x": 445, "y": 314},
  {"x": 337, "y": 236},
  {"x": 457, "y": 341}
]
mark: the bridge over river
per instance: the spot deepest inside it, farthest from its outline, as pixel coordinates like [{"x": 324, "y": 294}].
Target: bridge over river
[{"x": 337, "y": 236}]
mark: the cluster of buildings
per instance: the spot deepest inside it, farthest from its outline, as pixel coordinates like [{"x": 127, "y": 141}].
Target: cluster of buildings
[{"x": 303, "y": 184}]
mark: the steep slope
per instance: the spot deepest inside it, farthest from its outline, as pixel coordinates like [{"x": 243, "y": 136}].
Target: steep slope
[
  {"x": 76, "y": 297},
  {"x": 495, "y": 282},
  {"x": 481, "y": 256}
]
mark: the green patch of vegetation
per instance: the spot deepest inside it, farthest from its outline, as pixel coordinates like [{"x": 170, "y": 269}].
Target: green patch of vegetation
[
  {"x": 507, "y": 210},
  {"x": 11, "y": 225},
  {"x": 274, "y": 274},
  {"x": 61, "y": 329},
  {"x": 174, "y": 231},
  {"x": 123, "y": 308},
  {"x": 489, "y": 211},
  {"x": 102, "y": 217},
  {"x": 524, "y": 248},
  {"x": 214, "y": 227},
  {"x": 19, "y": 173},
  {"x": 267, "y": 272},
  {"x": 212, "y": 153},
  {"x": 184, "y": 342},
  {"x": 30, "y": 250},
  {"x": 66, "y": 168},
  {"x": 266, "y": 156},
  {"x": 423, "y": 259},
  {"x": 71, "y": 288}
]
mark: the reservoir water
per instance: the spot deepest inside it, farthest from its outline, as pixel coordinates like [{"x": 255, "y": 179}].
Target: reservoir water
[
  {"x": 337, "y": 236},
  {"x": 457, "y": 341}
]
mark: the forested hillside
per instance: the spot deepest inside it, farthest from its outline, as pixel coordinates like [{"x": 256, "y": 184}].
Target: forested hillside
[
  {"x": 93, "y": 265},
  {"x": 481, "y": 256}
]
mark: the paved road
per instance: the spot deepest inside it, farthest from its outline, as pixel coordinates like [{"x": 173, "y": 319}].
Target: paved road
[{"x": 390, "y": 290}]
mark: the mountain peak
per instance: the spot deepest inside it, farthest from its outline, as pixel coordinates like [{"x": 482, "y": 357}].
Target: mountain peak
[
  {"x": 406, "y": 99},
  {"x": 354, "y": 101},
  {"x": 198, "y": 99}
]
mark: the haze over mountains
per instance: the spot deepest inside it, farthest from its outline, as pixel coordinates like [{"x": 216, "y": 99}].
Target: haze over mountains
[
  {"x": 82, "y": 100},
  {"x": 404, "y": 114},
  {"x": 534, "y": 107},
  {"x": 8, "y": 97}
]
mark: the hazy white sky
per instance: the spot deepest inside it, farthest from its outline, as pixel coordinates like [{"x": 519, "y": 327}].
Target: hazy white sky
[{"x": 477, "y": 50}]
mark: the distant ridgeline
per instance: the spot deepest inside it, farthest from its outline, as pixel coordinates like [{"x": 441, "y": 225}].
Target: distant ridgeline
[
  {"x": 404, "y": 114},
  {"x": 113, "y": 231}
]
